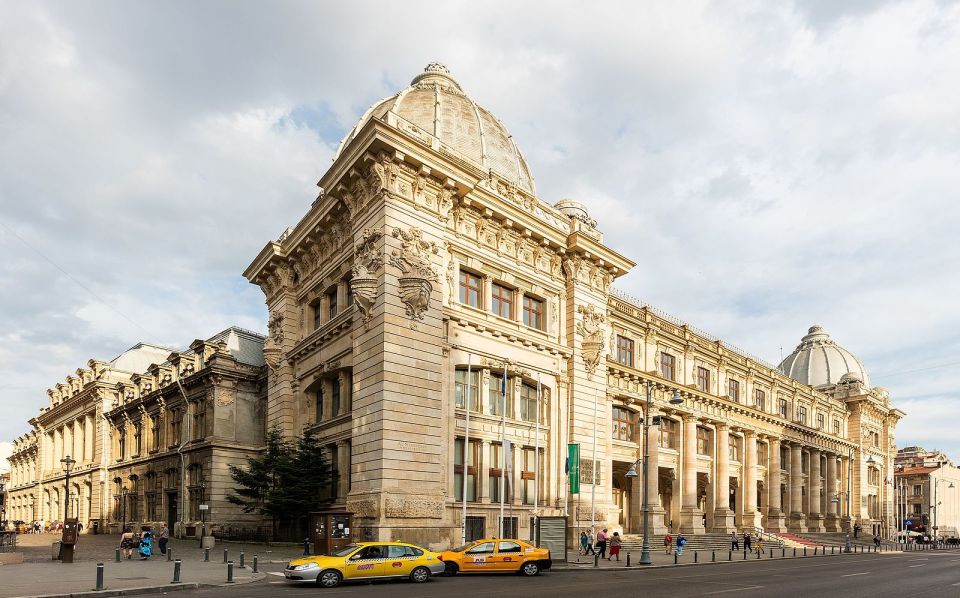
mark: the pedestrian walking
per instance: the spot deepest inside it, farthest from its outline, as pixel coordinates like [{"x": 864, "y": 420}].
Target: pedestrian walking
[
  {"x": 602, "y": 543},
  {"x": 734, "y": 542},
  {"x": 146, "y": 545},
  {"x": 876, "y": 541},
  {"x": 681, "y": 542},
  {"x": 615, "y": 541},
  {"x": 747, "y": 541},
  {"x": 163, "y": 538},
  {"x": 128, "y": 541},
  {"x": 668, "y": 543},
  {"x": 584, "y": 542},
  {"x": 759, "y": 546}
]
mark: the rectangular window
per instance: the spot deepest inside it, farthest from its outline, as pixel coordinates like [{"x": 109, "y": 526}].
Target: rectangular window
[
  {"x": 669, "y": 432},
  {"x": 762, "y": 454},
  {"x": 782, "y": 408},
  {"x": 347, "y": 281},
  {"x": 137, "y": 438},
  {"x": 335, "y": 397},
  {"x": 759, "y": 399},
  {"x": 317, "y": 316},
  {"x": 802, "y": 415},
  {"x": 703, "y": 379},
  {"x": 533, "y": 312},
  {"x": 625, "y": 351},
  {"x": 734, "y": 448},
  {"x": 502, "y": 303},
  {"x": 199, "y": 420},
  {"x": 496, "y": 403},
  {"x": 805, "y": 462},
  {"x": 470, "y": 289},
  {"x": 529, "y": 473},
  {"x": 155, "y": 432},
  {"x": 703, "y": 441},
  {"x": 495, "y": 473},
  {"x": 122, "y": 444},
  {"x": 916, "y": 510},
  {"x": 461, "y": 388},
  {"x": 836, "y": 427},
  {"x": 318, "y": 396},
  {"x": 918, "y": 490},
  {"x": 528, "y": 403},
  {"x": 668, "y": 366},
  {"x": 332, "y": 303},
  {"x": 623, "y": 422},
  {"x": 472, "y": 453},
  {"x": 176, "y": 425},
  {"x": 820, "y": 424},
  {"x": 784, "y": 457},
  {"x": 733, "y": 390}
]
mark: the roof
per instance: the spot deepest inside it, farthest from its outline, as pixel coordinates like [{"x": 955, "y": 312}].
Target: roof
[
  {"x": 915, "y": 470},
  {"x": 819, "y": 361}
]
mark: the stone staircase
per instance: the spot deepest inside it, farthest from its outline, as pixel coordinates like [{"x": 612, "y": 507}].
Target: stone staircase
[{"x": 718, "y": 542}]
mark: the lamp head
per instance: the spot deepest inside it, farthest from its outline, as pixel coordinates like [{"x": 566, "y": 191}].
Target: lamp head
[
  {"x": 632, "y": 472},
  {"x": 676, "y": 399},
  {"x": 68, "y": 462}
]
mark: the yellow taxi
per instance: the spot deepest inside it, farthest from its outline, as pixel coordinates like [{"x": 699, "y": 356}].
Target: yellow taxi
[
  {"x": 365, "y": 561},
  {"x": 505, "y": 555}
]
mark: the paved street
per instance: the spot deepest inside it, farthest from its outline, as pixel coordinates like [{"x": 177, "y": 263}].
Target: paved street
[{"x": 902, "y": 574}]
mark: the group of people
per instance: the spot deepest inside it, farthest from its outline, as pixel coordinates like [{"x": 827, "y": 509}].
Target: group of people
[
  {"x": 598, "y": 545},
  {"x": 748, "y": 545},
  {"x": 143, "y": 542}
]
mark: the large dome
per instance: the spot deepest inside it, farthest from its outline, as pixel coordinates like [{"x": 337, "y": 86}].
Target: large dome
[
  {"x": 436, "y": 106},
  {"x": 819, "y": 361}
]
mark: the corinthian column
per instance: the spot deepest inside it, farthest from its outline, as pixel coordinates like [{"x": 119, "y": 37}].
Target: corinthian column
[
  {"x": 815, "y": 517},
  {"x": 796, "y": 488},
  {"x": 691, "y": 517},
  {"x": 749, "y": 479},
  {"x": 723, "y": 517},
  {"x": 775, "y": 521},
  {"x": 832, "y": 522},
  {"x": 657, "y": 523}
]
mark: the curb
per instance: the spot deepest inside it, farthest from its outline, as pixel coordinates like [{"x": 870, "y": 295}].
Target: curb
[
  {"x": 635, "y": 567},
  {"x": 170, "y": 587}
]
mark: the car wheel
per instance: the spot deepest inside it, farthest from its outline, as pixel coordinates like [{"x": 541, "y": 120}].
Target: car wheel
[
  {"x": 420, "y": 575},
  {"x": 329, "y": 579},
  {"x": 450, "y": 570},
  {"x": 530, "y": 569}
]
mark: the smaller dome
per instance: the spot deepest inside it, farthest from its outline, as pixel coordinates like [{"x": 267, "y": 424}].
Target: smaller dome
[
  {"x": 819, "y": 361},
  {"x": 575, "y": 209}
]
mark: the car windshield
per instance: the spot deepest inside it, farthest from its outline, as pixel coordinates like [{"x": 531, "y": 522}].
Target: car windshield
[
  {"x": 344, "y": 551},
  {"x": 461, "y": 548}
]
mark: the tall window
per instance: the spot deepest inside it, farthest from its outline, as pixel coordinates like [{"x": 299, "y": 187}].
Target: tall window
[
  {"x": 625, "y": 351},
  {"x": 461, "y": 385},
  {"x": 528, "y": 473},
  {"x": 623, "y": 422},
  {"x": 470, "y": 286},
  {"x": 528, "y": 403},
  {"x": 176, "y": 425},
  {"x": 199, "y": 420},
  {"x": 733, "y": 390},
  {"x": 496, "y": 402},
  {"x": 494, "y": 472},
  {"x": 137, "y": 438},
  {"x": 122, "y": 443},
  {"x": 703, "y": 379},
  {"x": 471, "y": 472},
  {"x": 669, "y": 433},
  {"x": 155, "y": 432},
  {"x": 734, "y": 448},
  {"x": 760, "y": 399},
  {"x": 502, "y": 304},
  {"x": 332, "y": 303},
  {"x": 319, "y": 398},
  {"x": 918, "y": 490},
  {"x": 783, "y": 408},
  {"x": 317, "y": 315},
  {"x": 703, "y": 441},
  {"x": 836, "y": 427},
  {"x": 347, "y": 281},
  {"x": 762, "y": 454},
  {"x": 668, "y": 364},
  {"x": 802, "y": 415},
  {"x": 820, "y": 419},
  {"x": 335, "y": 397},
  {"x": 533, "y": 312}
]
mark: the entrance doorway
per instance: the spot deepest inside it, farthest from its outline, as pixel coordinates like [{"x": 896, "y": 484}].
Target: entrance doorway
[{"x": 171, "y": 510}]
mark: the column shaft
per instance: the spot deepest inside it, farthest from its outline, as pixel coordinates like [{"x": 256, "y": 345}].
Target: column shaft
[
  {"x": 774, "y": 507},
  {"x": 691, "y": 517},
  {"x": 796, "y": 488},
  {"x": 723, "y": 517},
  {"x": 749, "y": 479},
  {"x": 815, "y": 517}
]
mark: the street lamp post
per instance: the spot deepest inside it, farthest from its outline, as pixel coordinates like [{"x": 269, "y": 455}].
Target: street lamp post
[
  {"x": 676, "y": 399},
  {"x": 67, "y": 462},
  {"x": 936, "y": 506},
  {"x": 123, "y": 508}
]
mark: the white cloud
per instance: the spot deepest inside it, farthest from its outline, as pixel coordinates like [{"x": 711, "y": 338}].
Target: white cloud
[
  {"x": 767, "y": 165},
  {"x": 6, "y": 449}
]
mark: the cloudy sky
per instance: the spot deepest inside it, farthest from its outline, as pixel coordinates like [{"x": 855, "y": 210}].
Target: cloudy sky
[{"x": 768, "y": 165}]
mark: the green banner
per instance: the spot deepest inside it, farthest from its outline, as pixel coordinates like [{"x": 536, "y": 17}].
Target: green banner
[{"x": 573, "y": 467}]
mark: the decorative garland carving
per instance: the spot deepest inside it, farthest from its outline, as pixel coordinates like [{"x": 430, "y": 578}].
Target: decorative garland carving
[
  {"x": 367, "y": 261},
  {"x": 591, "y": 328},
  {"x": 413, "y": 260}
]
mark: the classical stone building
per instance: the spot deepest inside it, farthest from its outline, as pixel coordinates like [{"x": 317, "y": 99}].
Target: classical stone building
[
  {"x": 428, "y": 255},
  {"x": 927, "y": 487},
  {"x": 152, "y": 433}
]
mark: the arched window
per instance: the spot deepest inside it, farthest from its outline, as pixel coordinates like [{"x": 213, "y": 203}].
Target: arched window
[{"x": 623, "y": 423}]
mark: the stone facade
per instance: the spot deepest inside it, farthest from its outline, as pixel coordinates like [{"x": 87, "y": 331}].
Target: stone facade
[
  {"x": 927, "y": 492},
  {"x": 142, "y": 428},
  {"x": 428, "y": 253}
]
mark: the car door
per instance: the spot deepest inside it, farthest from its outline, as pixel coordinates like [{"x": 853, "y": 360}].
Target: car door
[
  {"x": 508, "y": 556},
  {"x": 479, "y": 557},
  {"x": 399, "y": 562},
  {"x": 366, "y": 562}
]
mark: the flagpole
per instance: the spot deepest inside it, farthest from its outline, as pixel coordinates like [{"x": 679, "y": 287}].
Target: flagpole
[
  {"x": 466, "y": 445},
  {"x": 536, "y": 458},
  {"x": 503, "y": 444},
  {"x": 593, "y": 469}
]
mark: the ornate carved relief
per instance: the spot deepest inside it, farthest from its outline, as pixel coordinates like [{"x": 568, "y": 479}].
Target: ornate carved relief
[
  {"x": 413, "y": 260},
  {"x": 591, "y": 327},
  {"x": 367, "y": 261},
  {"x": 414, "y": 508}
]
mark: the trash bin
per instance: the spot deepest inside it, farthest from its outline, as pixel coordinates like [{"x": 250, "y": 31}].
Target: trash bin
[
  {"x": 55, "y": 550},
  {"x": 96, "y": 527}
]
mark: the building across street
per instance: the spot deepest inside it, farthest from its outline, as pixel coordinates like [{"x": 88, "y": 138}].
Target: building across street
[
  {"x": 458, "y": 345},
  {"x": 927, "y": 493}
]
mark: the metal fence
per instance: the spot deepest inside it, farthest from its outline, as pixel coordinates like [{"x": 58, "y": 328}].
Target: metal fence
[{"x": 8, "y": 541}]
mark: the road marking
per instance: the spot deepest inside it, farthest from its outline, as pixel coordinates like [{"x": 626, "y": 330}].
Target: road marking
[
  {"x": 278, "y": 573},
  {"x": 855, "y": 574},
  {"x": 912, "y": 566},
  {"x": 914, "y": 560},
  {"x": 740, "y": 589}
]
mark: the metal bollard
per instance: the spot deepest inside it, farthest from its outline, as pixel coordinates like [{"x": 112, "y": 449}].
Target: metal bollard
[
  {"x": 794, "y": 551},
  {"x": 256, "y": 571},
  {"x": 206, "y": 555},
  {"x": 804, "y": 551},
  {"x": 176, "y": 571},
  {"x": 118, "y": 555},
  {"x": 758, "y": 555},
  {"x": 99, "y": 577},
  {"x": 306, "y": 547},
  {"x": 695, "y": 560},
  {"x": 729, "y": 555},
  {"x": 832, "y": 550},
  {"x": 242, "y": 565},
  {"x": 628, "y": 559},
  {"x": 713, "y": 556},
  {"x": 225, "y": 552},
  {"x": 169, "y": 554},
  {"x": 674, "y": 558},
  {"x": 229, "y": 571},
  {"x": 596, "y": 560},
  {"x": 744, "y": 555}
]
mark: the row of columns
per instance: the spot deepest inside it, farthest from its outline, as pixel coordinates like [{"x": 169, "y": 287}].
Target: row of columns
[{"x": 75, "y": 439}]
